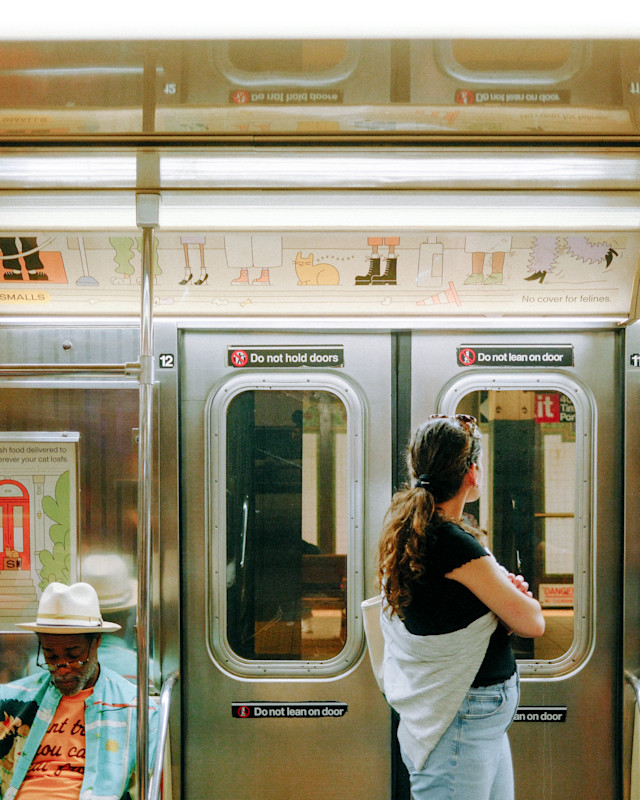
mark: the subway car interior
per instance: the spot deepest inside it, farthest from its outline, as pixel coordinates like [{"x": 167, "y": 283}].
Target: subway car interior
[{"x": 236, "y": 274}]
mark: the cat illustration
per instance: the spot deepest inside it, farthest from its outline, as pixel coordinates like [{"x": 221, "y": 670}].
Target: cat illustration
[{"x": 310, "y": 274}]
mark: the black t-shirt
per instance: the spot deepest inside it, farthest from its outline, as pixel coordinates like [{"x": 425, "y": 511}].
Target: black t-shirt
[{"x": 441, "y": 605}]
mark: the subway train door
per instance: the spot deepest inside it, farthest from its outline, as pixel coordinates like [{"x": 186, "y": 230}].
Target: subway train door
[
  {"x": 286, "y": 453},
  {"x": 548, "y": 405}
]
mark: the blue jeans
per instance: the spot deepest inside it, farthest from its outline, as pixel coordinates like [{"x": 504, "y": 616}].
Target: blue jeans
[{"x": 472, "y": 760}]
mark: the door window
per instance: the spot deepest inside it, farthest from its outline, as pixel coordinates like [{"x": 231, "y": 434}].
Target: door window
[
  {"x": 284, "y": 525},
  {"x": 290, "y": 63},
  {"x": 536, "y": 508},
  {"x": 515, "y": 62}
]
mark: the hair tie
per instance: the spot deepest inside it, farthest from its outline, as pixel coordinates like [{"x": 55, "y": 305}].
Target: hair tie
[{"x": 423, "y": 482}]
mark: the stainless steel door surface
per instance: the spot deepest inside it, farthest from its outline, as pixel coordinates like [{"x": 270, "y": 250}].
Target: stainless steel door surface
[
  {"x": 254, "y": 461},
  {"x": 552, "y": 499},
  {"x": 285, "y": 477}
]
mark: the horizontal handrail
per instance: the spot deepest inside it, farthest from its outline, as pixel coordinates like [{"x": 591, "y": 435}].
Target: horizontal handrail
[
  {"x": 66, "y": 369},
  {"x": 165, "y": 705}
]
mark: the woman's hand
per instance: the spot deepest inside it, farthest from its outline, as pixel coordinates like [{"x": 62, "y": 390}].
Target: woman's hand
[{"x": 519, "y": 582}]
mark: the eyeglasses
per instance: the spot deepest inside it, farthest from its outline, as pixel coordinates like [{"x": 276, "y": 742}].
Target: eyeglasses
[
  {"x": 53, "y": 667},
  {"x": 469, "y": 423}
]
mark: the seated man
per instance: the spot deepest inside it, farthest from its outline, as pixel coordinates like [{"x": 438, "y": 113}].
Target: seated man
[{"x": 70, "y": 732}]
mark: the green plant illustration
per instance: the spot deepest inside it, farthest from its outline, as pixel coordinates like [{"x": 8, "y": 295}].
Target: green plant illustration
[
  {"x": 56, "y": 563},
  {"x": 123, "y": 247}
]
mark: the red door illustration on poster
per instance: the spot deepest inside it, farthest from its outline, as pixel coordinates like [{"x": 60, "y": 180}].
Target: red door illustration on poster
[{"x": 14, "y": 525}]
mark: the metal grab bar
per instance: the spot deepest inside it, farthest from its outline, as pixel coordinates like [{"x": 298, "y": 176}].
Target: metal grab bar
[
  {"x": 634, "y": 682},
  {"x": 145, "y": 472},
  {"x": 53, "y": 369},
  {"x": 165, "y": 706}
]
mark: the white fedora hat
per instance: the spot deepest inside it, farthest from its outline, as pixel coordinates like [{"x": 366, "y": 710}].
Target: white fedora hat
[
  {"x": 69, "y": 609},
  {"x": 109, "y": 576}
]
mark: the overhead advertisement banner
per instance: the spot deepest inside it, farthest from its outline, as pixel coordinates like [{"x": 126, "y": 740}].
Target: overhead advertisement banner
[
  {"x": 501, "y": 355},
  {"x": 337, "y": 272}
]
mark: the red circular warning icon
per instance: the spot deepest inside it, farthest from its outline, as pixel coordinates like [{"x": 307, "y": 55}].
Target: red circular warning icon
[
  {"x": 465, "y": 97},
  {"x": 466, "y": 357},
  {"x": 239, "y": 358},
  {"x": 244, "y": 711},
  {"x": 240, "y": 97}
]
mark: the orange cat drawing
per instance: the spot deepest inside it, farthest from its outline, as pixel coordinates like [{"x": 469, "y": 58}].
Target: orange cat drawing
[{"x": 310, "y": 274}]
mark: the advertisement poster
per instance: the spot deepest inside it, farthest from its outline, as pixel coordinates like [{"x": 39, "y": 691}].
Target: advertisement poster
[
  {"x": 38, "y": 519},
  {"x": 383, "y": 273}
]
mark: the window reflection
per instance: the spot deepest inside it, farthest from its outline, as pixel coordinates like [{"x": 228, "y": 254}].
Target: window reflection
[
  {"x": 507, "y": 56},
  {"x": 529, "y": 498},
  {"x": 292, "y": 56},
  {"x": 286, "y": 525}
]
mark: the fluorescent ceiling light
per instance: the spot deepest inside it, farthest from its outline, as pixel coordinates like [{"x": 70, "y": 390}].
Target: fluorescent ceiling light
[
  {"x": 403, "y": 169},
  {"x": 397, "y": 210},
  {"x": 325, "y": 210},
  {"x": 63, "y": 170},
  {"x": 68, "y": 212},
  {"x": 72, "y": 19}
]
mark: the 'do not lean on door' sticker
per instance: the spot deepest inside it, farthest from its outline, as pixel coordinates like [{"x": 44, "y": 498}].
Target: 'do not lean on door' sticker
[{"x": 506, "y": 355}]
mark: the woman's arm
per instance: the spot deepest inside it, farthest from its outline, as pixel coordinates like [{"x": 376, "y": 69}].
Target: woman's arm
[{"x": 508, "y": 597}]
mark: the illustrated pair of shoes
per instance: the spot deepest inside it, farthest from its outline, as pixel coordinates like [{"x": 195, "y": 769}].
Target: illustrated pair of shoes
[
  {"x": 477, "y": 277},
  {"x": 537, "y": 276},
  {"x": 243, "y": 279},
  {"x": 202, "y": 279},
  {"x": 373, "y": 277},
  {"x": 33, "y": 276}
]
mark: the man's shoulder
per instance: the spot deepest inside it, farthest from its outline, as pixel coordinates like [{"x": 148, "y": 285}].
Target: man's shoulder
[
  {"x": 119, "y": 689},
  {"x": 28, "y": 684},
  {"x": 112, "y": 681}
]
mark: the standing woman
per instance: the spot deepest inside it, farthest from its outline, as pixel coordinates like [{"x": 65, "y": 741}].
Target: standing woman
[{"x": 448, "y": 611}]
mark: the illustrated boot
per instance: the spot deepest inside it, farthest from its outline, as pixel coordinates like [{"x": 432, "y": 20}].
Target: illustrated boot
[
  {"x": 374, "y": 272},
  {"x": 374, "y": 263},
  {"x": 389, "y": 277}
]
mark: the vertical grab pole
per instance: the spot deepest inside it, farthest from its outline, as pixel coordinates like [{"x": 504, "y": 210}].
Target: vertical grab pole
[{"x": 147, "y": 207}]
